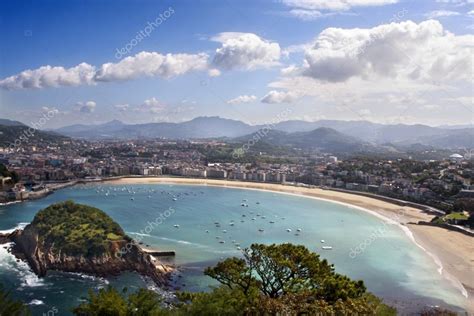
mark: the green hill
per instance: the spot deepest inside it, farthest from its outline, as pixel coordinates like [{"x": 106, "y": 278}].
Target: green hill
[{"x": 76, "y": 229}]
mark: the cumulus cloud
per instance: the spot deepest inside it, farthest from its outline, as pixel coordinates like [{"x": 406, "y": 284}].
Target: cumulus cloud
[
  {"x": 48, "y": 76},
  {"x": 275, "y": 96},
  {"x": 335, "y": 5},
  {"x": 423, "y": 51},
  {"x": 122, "y": 107},
  {"x": 441, "y": 13},
  {"x": 242, "y": 99},
  {"x": 142, "y": 64},
  {"x": 151, "y": 64},
  {"x": 245, "y": 51},
  {"x": 85, "y": 107},
  {"x": 151, "y": 105}
]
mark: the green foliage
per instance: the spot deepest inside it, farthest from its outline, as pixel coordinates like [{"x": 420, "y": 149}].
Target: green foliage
[
  {"x": 4, "y": 172},
  {"x": 281, "y": 279},
  {"x": 289, "y": 279},
  {"x": 77, "y": 229},
  {"x": 109, "y": 302},
  {"x": 11, "y": 307}
]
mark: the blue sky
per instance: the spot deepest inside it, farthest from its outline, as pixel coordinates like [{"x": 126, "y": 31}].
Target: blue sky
[{"x": 246, "y": 60}]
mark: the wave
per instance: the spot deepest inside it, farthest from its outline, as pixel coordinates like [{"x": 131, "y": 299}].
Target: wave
[
  {"x": 21, "y": 269},
  {"x": 184, "y": 242},
  {"x": 11, "y": 230},
  {"x": 140, "y": 234}
]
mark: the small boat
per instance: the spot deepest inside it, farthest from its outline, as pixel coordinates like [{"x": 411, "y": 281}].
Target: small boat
[
  {"x": 253, "y": 218},
  {"x": 272, "y": 222},
  {"x": 207, "y": 231},
  {"x": 224, "y": 231},
  {"x": 263, "y": 217},
  {"x": 176, "y": 226},
  {"x": 222, "y": 241},
  {"x": 323, "y": 241},
  {"x": 261, "y": 230},
  {"x": 288, "y": 230},
  {"x": 257, "y": 202},
  {"x": 327, "y": 247},
  {"x": 242, "y": 221},
  {"x": 299, "y": 229},
  {"x": 216, "y": 223},
  {"x": 238, "y": 248},
  {"x": 132, "y": 199},
  {"x": 297, "y": 234},
  {"x": 243, "y": 215},
  {"x": 231, "y": 224},
  {"x": 175, "y": 199}
]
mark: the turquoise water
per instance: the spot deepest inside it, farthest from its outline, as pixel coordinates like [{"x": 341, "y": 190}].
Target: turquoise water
[{"x": 391, "y": 265}]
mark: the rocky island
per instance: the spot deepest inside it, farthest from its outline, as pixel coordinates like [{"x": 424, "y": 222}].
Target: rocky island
[{"x": 73, "y": 237}]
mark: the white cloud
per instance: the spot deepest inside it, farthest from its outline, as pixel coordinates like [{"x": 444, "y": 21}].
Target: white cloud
[
  {"x": 335, "y": 5},
  {"x": 441, "y": 13},
  {"x": 151, "y": 64},
  {"x": 151, "y": 105},
  {"x": 142, "y": 64},
  {"x": 214, "y": 72},
  {"x": 307, "y": 15},
  {"x": 470, "y": 13},
  {"x": 48, "y": 76},
  {"x": 275, "y": 96},
  {"x": 87, "y": 107},
  {"x": 242, "y": 99},
  {"x": 122, "y": 107},
  {"x": 245, "y": 51},
  {"x": 423, "y": 51}
]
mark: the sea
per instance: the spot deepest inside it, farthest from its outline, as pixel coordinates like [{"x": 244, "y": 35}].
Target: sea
[{"x": 205, "y": 224}]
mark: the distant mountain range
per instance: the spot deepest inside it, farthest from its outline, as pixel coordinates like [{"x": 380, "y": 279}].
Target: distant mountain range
[
  {"x": 11, "y": 131},
  {"x": 216, "y": 127},
  {"x": 322, "y": 139},
  {"x": 349, "y": 135}
]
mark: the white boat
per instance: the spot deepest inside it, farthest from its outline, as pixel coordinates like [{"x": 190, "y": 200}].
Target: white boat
[
  {"x": 327, "y": 247},
  {"x": 175, "y": 199},
  {"x": 288, "y": 230},
  {"x": 261, "y": 230},
  {"x": 176, "y": 226},
  {"x": 323, "y": 241},
  {"x": 224, "y": 231},
  {"x": 299, "y": 229}
]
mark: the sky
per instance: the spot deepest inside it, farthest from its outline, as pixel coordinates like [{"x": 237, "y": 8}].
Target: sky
[{"x": 258, "y": 61}]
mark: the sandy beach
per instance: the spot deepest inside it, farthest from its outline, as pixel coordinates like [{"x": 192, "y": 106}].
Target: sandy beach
[{"x": 454, "y": 250}]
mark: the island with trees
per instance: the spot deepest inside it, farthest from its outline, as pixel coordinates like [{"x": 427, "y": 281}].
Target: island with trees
[{"x": 72, "y": 237}]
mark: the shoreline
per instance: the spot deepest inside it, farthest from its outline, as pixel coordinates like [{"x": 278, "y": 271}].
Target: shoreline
[{"x": 456, "y": 265}]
